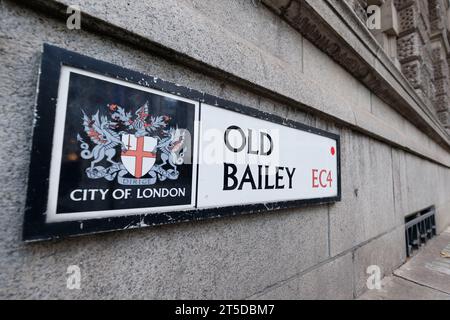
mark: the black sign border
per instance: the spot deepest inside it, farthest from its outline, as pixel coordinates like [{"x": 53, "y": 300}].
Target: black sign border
[{"x": 36, "y": 228}]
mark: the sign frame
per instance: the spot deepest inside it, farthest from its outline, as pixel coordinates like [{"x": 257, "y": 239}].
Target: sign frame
[{"x": 35, "y": 226}]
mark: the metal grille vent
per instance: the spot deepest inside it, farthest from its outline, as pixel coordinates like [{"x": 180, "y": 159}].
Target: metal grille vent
[{"x": 419, "y": 228}]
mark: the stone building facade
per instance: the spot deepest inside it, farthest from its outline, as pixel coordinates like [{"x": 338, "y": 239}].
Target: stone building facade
[
  {"x": 415, "y": 34},
  {"x": 384, "y": 92}
]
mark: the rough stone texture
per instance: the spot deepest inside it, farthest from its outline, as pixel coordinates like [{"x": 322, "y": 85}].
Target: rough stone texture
[
  {"x": 227, "y": 258},
  {"x": 368, "y": 209},
  {"x": 192, "y": 28},
  {"x": 333, "y": 280},
  {"x": 419, "y": 185},
  {"x": 367, "y": 110},
  {"x": 422, "y": 46},
  {"x": 333, "y": 27},
  {"x": 339, "y": 85},
  {"x": 382, "y": 253},
  {"x": 302, "y": 253}
]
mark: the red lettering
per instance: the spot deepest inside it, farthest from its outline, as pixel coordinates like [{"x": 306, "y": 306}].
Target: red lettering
[
  {"x": 315, "y": 178},
  {"x": 322, "y": 178},
  {"x": 322, "y": 172},
  {"x": 330, "y": 179}
]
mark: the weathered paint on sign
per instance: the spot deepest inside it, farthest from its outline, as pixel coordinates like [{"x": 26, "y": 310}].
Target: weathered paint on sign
[{"x": 128, "y": 150}]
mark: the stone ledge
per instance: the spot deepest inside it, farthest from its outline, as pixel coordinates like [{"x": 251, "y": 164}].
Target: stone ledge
[
  {"x": 108, "y": 20},
  {"x": 335, "y": 29}
]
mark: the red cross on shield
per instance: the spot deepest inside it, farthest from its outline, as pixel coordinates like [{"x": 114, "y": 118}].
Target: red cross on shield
[{"x": 140, "y": 155}]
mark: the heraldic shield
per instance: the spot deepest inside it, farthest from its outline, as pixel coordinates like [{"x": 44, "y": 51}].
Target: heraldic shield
[{"x": 140, "y": 154}]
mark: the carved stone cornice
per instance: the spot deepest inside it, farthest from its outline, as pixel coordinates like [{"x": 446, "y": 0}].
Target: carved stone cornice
[{"x": 328, "y": 25}]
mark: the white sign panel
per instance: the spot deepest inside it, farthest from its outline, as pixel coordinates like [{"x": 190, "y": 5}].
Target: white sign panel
[
  {"x": 245, "y": 160},
  {"x": 115, "y": 149}
]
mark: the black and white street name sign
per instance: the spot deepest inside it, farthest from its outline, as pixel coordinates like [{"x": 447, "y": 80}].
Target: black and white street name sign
[
  {"x": 114, "y": 149},
  {"x": 246, "y": 160}
]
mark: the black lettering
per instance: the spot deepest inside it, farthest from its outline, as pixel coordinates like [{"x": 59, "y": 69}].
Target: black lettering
[
  {"x": 268, "y": 152},
  {"x": 250, "y": 143},
  {"x": 266, "y": 184},
  {"x": 247, "y": 178},
  {"x": 227, "y": 176},
  {"x": 278, "y": 178},
  {"x": 260, "y": 175},
  {"x": 290, "y": 175},
  {"x": 227, "y": 142}
]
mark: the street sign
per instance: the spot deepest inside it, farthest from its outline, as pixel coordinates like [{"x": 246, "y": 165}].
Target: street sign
[
  {"x": 114, "y": 149},
  {"x": 246, "y": 160}
]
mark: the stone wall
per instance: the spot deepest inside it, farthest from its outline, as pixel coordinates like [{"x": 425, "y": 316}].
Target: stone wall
[
  {"x": 244, "y": 53},
  {"x": 415, "y": 34}
]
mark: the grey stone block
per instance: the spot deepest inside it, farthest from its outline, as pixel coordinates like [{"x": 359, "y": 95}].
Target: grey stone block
[
  {"x": 331, "y": 281},
  {"x": 400, "y": 182},
  {"x": 387, "y": 252},
  {"x": 442, "y": 216},
  {"x": 226, "y": 258},
  {"x": 257, "y": 26},
  {"x": 418, "y": 183},
  {"x": 367, "y": 207},
  {"x": 340, "y": 86}
]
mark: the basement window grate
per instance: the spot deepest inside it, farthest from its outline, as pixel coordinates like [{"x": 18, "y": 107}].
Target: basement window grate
[{"x": 419, "y": 228}]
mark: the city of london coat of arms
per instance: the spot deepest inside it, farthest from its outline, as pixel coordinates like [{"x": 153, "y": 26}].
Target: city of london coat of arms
[{"x": 135, "y": 148}]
